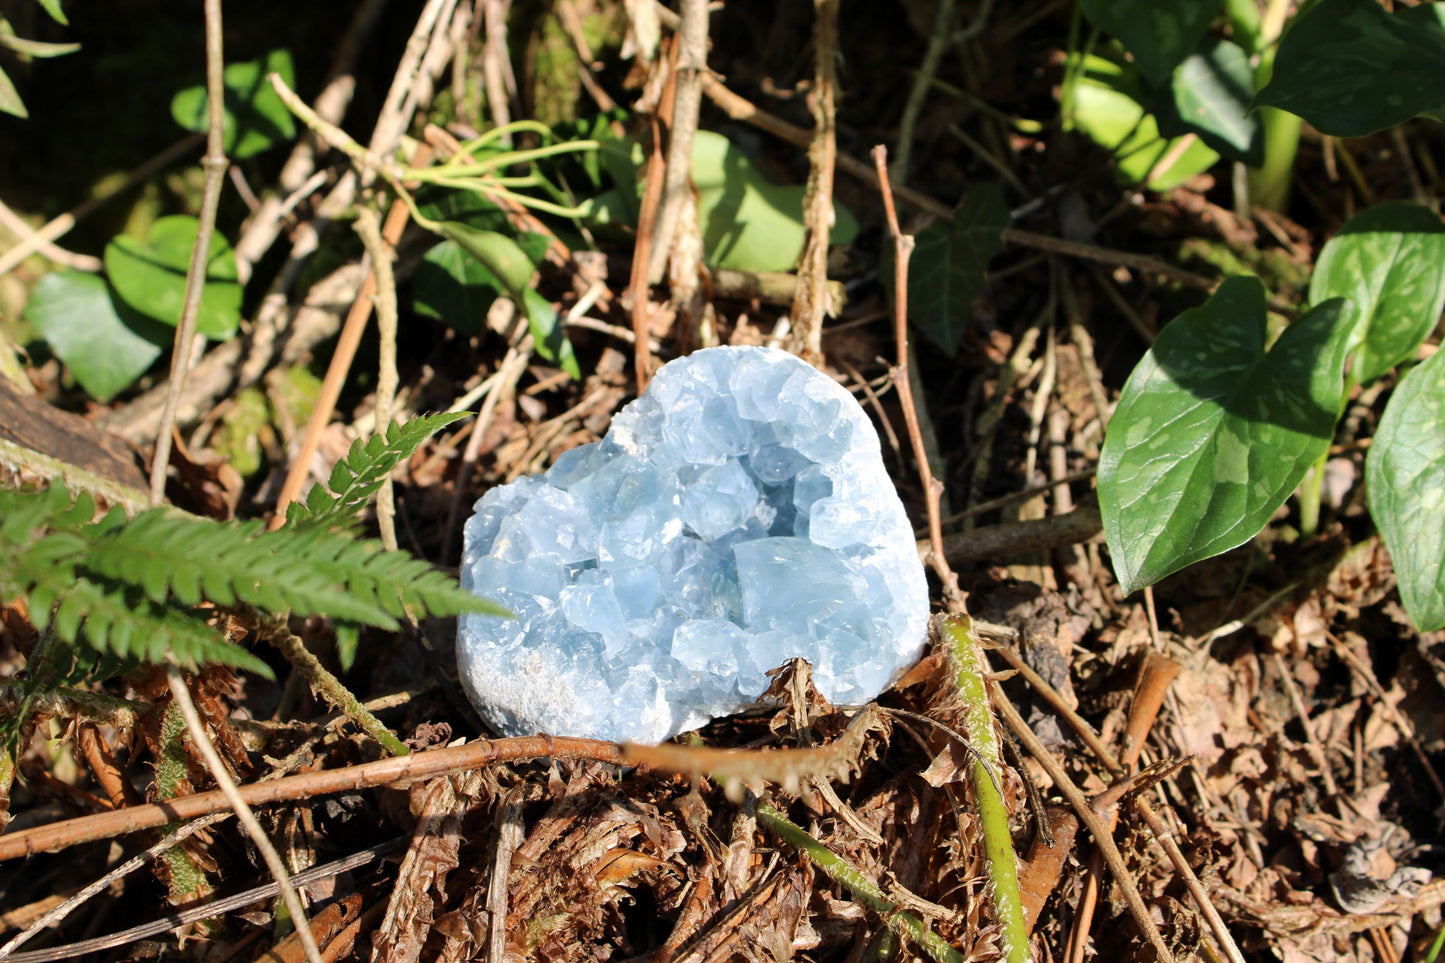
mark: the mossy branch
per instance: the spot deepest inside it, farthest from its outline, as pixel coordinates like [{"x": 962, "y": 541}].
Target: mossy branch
[{"x": 970, "y": 672}]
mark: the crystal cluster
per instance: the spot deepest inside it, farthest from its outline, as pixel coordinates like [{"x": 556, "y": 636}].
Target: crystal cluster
[{"x": 736, "y": 515}]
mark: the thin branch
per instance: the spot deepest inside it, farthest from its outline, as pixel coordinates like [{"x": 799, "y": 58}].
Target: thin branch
[
  {"x": 686, "y": 102},
  {"x": 217, "y": 766},
  {"x": 932, "y": 488},
  {"x": 369, "y": 227},
  {"x": 810, "y": 301},
  {"x": 331, "y": 688},
  {"x": 214, "y": 165},
  {"x": 383, "y": 772}
]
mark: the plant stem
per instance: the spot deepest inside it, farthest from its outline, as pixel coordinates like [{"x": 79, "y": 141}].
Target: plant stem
[
  {"x": 243, "y": 812},
  {"x": 332, "y": 689},
  {"x": 214, "y": 165},
  {"x": 847, "y": 875},
  {"x": 970, "y": 673}
]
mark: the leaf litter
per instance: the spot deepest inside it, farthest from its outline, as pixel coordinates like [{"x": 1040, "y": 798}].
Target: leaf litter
[{"x": 1298, "y": 737}]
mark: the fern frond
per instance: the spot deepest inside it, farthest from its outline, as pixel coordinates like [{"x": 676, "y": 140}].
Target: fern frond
[
  {"x": 394, "y": 582},
  {"x": 122, "y": 621},
  {"x": 165, "y": 553},
  {"x": 365, "y": 468}
]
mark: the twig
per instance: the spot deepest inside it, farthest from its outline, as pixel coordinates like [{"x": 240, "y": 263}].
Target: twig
[
  {"x": 340, "y": 364},
  {"x": 214, "y": 165},
  {"x": 686, "y": 102},
  {"x": 938, "y": 42},
  {"x": 1018, "y": 538},
  {"x": 218, "y": 907},
  {"x": 383, "y": 772},
  {"x": 638, "y": 283},
  {"x": 16, "y": 225},
  {"x": 58, "y": 913},
  {"x": 1102, "y": 836},
  {"x": 810, "y": 302},
  {"x": 61, "y": 225},
  {"x": 369, "y": 227},
  {"x": 868, "y": 892},
  {"x": 330, "y": 687},
  {"x": 247, "y": 818},
  {"x": 932, "y": 488}
]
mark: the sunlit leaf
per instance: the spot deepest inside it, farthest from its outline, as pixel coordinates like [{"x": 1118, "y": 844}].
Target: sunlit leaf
[
  {"x": 1405, "y": 477},
  {"x": 150, "y": 276},
  {"x": 105, "y": 345},
  {"x": 1215, "y": 429},
  {"x": 1109, "y": 108},
  {"x": 1390, "y": 261},
  {"x": 1209, "y": 95},
  {"x": 255, "y": 116},
  {"x": 748, "y": 222}
]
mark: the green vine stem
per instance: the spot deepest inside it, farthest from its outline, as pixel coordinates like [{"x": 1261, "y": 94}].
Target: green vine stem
[
  {"x": 331, "y": 688},
  {"x": 970, "y": 671},
  {"x": 845, "y": 874}
]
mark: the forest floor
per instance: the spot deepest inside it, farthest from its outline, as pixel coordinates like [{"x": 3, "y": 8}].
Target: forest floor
[{"x": 1293, "y": 759}]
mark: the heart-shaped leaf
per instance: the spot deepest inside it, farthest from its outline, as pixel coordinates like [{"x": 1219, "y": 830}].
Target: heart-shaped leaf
[
  {"x": 749, "y": 223},
  {"x": 105, "y": 345},
  {"x": 1390, "y": 261},
  {"x": 1214, "y": 430},
  {"x": 1405, "y": 477},
  {"x": 454, "y": 287},
  {"x": 1210, "y": 95},
  {"x": 947, "y": 268},
  {"x": 1158, "y": 35},
  {"x": 1108, "y": 106},
  {"x": 1350, "y": 68},
  {"x": 255, "y": 116},
  {"x": 150, "y": 276}
]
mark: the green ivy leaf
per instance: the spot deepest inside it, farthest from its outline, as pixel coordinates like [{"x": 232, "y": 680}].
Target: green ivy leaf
[
  {"x": 1109, "y": 108},
  {"x": 1405, "y": 477},
  {"x": 947, "y": 268},
  {"x": 1209, "y": 95},
  {"x": 509, "y": 263},
  {"x": 150, "y": 276},
  {"x": 749, "y": 223},
  {"x": 1158, "y": 35},
  {"x": 105, "y": 345},
  {"x": 453, "y": 287},
  {"x": 255, "y": 116},
  {"x": 1350, "y": 68},
  {"x": 1214, "y": 430},
  {"x": 1390, "y": 261}
]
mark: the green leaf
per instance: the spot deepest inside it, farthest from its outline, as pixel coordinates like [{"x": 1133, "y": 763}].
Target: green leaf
[
  {"x": 1109, "y": 108},
  {"x": 150, "y": 276},
  {"x": 255, "y": 117},
  {"x": 749, "y": 223},
  {"x": 1209, "y": 95},
  {"x": 510, "y": 264},
  {"x": 947, "y": 268},
  {"x": 1405, "y": 478},
  {"x": 1390, "y": 261},
  {"x": 105, "y": 344},
  {"x": 361, "y": 473},
  {"x": 1158, "y": 35},
  {"x": 454, "y": 287},
  {"x": 10, "y": 101},
  {"x": 32, "y": 48},
  {"x": 52, "y": 7},
  {"x": 1350, "y": 68},
  {"x": 1214, "y": 430}
]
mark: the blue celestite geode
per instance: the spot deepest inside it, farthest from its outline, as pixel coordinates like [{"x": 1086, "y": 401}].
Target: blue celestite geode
[{"x": 735, "y": 516}]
